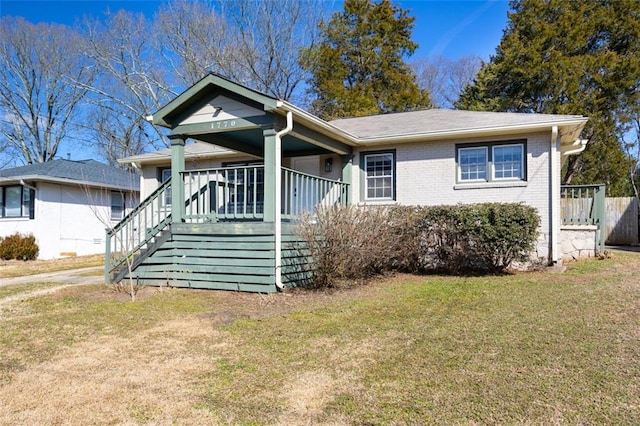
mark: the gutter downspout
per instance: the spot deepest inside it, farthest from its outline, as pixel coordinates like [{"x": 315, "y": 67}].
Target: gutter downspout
[
  {"x": 554, "y": 195},
  {"x": 23, "y": 183},
  {"x": 278, "y": 212}
]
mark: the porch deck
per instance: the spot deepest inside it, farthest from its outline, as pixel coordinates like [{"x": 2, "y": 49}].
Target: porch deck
[{"x": 222, "y": 240}]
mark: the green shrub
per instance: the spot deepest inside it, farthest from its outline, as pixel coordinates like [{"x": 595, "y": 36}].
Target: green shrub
[
  {"x": 18, "y": 246},
  {"x": 486, "y": 237}
]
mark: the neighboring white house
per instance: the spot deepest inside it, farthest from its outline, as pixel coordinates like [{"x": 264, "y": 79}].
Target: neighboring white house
[{"x": 65, "y": 204}]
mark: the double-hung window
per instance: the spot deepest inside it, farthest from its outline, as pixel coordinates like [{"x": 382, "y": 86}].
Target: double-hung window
[
  {"x": 17, "y": 201},
  {"x": 491, "y": 162},
  {"x": 117, "y": 205},
  {"x": 472, "y": 163},
  {"x": 163, "y": 176},
  {"x": 508, "y": 161},
  {"x": 379, "y": 175}
]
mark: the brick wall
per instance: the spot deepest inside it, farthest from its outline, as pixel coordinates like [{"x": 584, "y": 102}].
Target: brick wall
[{"x": 426, "y": 175}]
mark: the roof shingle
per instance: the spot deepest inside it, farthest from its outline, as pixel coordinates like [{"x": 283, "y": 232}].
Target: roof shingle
[{"x": 89, "y": 171}]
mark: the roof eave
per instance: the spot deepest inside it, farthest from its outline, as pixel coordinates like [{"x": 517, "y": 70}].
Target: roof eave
[
  {"x": 65, "y": 181},
  {"x": 575, "y": 124},
  {"x": 316, "y": 123}
]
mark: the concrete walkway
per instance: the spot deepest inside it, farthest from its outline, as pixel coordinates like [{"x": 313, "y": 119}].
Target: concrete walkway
[{"x": 71, "y": 276}]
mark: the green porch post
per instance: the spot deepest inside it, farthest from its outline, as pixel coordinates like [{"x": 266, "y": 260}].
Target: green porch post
[
  {"x": 177, "y": 187},
  {"x": 271, "y": 193},
  {"x": 347, "y": 176}
]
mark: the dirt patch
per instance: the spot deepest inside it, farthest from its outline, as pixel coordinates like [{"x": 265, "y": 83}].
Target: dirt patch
[{"x": 114, "y": 380}]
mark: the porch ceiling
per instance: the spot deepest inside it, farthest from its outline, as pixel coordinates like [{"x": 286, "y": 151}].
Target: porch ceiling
[{"x": 251, "y": 141}]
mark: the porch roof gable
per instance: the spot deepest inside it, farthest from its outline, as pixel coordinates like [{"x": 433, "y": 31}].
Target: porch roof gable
[{"x": 175, "y": 109}]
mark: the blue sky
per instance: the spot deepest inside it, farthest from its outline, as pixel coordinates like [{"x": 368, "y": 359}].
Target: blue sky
[{"x": 452, "y": 28}]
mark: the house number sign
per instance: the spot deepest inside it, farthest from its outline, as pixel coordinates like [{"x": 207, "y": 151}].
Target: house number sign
[{"x": 223, "y": 124}]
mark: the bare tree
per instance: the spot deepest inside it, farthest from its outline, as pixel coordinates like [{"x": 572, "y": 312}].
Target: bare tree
[
  {"x": 445, "y": 78},
  {"x": 630, "y": 138},
  {"x": 270, "y": 36},
  {"x": 193, "y": 39},
  {"x": 100, "y": 201},
  {"x": 38, "y": 103},
  {"x": 130, "y": 85}
]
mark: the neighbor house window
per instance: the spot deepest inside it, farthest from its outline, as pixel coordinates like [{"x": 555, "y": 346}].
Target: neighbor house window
[
  {"x": 491, "y": 162},
  {"x": 379, "y": 175},
  {"x": 117, "y": 205},
  {"x": 17, "y": 201},
  {"x": 163, "y": 176}
]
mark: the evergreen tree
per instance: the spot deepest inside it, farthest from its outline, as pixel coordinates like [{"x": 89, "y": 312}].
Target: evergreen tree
[
  {"x": 570, "y": 57},
  {"x": 358, "y": 68}
]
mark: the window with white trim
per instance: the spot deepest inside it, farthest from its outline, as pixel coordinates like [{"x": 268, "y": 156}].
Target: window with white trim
[
  {"x": 508, "y": 161},
  {"x": 379, "y": 175},
  {"x": 491, "y": 162},
  {"x": 472, "y": 163}
]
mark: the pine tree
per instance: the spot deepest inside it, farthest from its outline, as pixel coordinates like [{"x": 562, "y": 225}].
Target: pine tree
[
  {"x": 358, "y": 68},
  {"x": 570, "y": 57}
]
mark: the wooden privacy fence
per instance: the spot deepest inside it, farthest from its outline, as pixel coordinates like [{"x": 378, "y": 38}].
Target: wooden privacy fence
[
  {"x": 617, "y": 219},
  {"x": 621, "y": 221}
]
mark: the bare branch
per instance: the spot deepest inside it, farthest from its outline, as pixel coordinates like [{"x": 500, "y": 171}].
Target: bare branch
[{"x": 38, "y": 102}]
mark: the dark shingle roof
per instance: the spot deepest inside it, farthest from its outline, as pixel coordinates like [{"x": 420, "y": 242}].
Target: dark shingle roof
[{"x": 85, "y": 171}]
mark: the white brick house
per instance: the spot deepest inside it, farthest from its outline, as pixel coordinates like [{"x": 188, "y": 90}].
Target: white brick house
[
  {"x": 66, "y": 205},
  {"x": 424, "y": 157}
]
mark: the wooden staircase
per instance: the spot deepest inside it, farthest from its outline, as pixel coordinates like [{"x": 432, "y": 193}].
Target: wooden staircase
[{"x": 222, "y": 241}]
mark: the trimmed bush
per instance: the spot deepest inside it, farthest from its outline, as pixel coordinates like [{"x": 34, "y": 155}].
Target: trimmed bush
[
  {"x": 486, "y": 237},
  {"x": 354, "y": 243},
  {"x": 18, "y": 246}
]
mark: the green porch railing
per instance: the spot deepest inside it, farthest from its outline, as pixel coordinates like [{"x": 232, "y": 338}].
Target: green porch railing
[
  {"x": 237, "y": 193},
  {"x": 137, "y": 229},
  {"x": 212, "y": 195},
  {"x": 584, "y": 205}
]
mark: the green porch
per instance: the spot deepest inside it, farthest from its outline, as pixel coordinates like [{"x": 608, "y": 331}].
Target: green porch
[{"x": 230, "y": 228}]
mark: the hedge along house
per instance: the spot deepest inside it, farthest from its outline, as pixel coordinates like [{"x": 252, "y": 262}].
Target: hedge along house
[{"x": 220, "y": 213}]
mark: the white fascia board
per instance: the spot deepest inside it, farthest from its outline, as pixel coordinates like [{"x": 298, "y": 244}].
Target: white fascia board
[
  {"x": 162, "y": 158},
  {"x": 64, "y": 181},
  {"x": 324, "y": 127},
  {"x": 472, "y": 132},
  {"x": 318, "y": 124}
]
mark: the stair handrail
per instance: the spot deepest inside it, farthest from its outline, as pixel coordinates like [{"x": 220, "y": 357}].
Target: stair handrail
[{"x": 124, "y": 239}]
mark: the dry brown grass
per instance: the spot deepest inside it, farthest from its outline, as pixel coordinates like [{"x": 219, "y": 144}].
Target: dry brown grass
[
  {"x": 532, "y": 348},
  {"x": 18, "y": 268}
]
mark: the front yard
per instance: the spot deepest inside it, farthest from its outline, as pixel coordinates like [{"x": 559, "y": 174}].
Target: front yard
[{"x": 536, "y": 347}]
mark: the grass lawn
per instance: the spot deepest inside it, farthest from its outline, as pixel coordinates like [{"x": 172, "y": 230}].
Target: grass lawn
[
  {"x": 19, "y": 268},
  {"x": 532, "y": 348}
]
